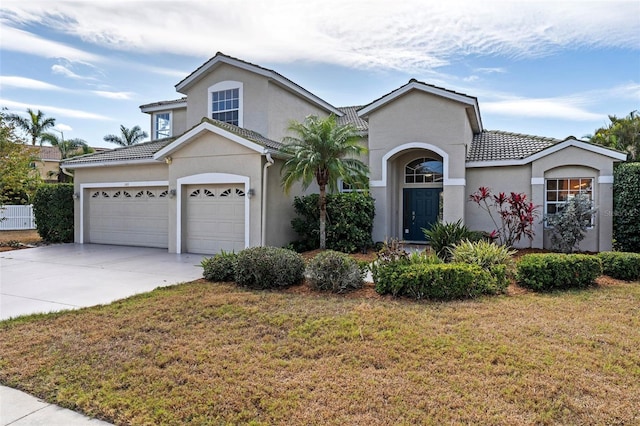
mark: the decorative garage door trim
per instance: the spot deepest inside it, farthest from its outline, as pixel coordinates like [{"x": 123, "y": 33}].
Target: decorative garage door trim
[
  {"x": 84, "y": 186},
  {"x": 211, "y": 178}
]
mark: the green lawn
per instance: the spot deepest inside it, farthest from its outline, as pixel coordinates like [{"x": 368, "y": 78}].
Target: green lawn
[{"x": 214, "y": 354}]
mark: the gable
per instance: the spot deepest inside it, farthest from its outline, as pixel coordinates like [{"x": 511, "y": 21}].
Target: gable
[
  {"x": 468, "y": 102},
  {"x": 220, "y": 59}
]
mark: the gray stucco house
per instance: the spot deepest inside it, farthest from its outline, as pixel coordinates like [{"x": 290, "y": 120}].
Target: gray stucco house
[{"x": 209, "y": 180}]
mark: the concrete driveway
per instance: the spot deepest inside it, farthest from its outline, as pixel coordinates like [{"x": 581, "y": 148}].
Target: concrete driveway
[{"x": 70, "y": 276}]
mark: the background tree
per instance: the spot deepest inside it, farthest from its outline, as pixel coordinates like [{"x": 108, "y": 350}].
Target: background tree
[
  {"x": 622, "y": 134},
  {"x": 68, "y": 148},
  {"x": 35, "y": 125},
  {"x": 18, "y": 178},
  {"x": 127, "y": 136},
  {"x": 323, "y": 151}
]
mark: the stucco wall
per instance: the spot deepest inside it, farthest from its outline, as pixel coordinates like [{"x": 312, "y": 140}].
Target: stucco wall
[
  {"x": 211, "y": 153},
  {"x": 255, "y": 97},
  {"x": 498, "y": 179},
  {"x": 285, "y": 106},
  {"x": 419, "y": 117}
]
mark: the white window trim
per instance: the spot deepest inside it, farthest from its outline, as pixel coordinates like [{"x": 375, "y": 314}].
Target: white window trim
[
  {"x": 211, "y": 178},
  {"x": 227, "y": 85},
  {"x": 342, "y": 190},
  {"x": 84, "y": 186},
  {"x": 154, "y": 124},
  {"x": 593, "y": 198},
  {"x": 404, "y": 175}
]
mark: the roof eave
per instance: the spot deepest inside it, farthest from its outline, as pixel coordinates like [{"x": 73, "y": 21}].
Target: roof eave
[
  {"x": 109, "y": 163},
  {"x": 162, "y": 107},
  {"x": 182, "y": 86},
  {"x": 471, "y": 102},
  {"x": 199, "y": 129}
]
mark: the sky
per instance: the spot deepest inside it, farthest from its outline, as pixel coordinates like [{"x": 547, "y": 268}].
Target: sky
[{"x": 548, "y": 68}]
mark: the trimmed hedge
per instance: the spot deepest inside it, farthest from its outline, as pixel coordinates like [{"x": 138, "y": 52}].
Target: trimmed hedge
[
  {"x": 334, "y": 271},
  {"x": 349, "y": 222},
  {"x": 269, "y": 267},
  {"x": 621, "y": 265},
  {"x": 442, "y": 281},
  {"x": 53, "y": 210},
  {"x": 446, "y": 281},
  {"x": 626, "y": 207},
  {"x": 554, "y": 271},
  {"x": 221, "y": 267}
]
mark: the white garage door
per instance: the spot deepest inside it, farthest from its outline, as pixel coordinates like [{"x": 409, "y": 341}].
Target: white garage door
[
  {"x": 215, "y": 218},
  {"x": 129, "y": 216}
]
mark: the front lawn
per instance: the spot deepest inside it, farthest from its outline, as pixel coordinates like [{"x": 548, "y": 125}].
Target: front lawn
[{"x": 205, "y": 353}]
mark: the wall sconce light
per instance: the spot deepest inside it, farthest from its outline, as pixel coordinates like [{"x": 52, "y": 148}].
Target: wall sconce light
[
  {"x": 76, "y": 195},
  {"x": 172, "y": 193},
  {"x": 251, "y": 193},
  {"x": 168, "y": 160}
]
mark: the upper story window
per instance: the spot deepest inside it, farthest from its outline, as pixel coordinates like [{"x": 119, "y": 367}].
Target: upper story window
[
  {"x": 162, "y": 125},
  {"x": 225, "y": 102},
  {"x": 559, "y": 191},
  {"x": 423, "y": 170}
]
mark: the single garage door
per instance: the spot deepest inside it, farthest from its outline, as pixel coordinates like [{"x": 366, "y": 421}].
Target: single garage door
[
  {"x": 129, "y": 216},
  {"x": 215, "y": 218}
]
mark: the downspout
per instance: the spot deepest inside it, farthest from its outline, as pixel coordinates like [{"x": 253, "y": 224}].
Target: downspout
[{"x": 268, "y": 164}]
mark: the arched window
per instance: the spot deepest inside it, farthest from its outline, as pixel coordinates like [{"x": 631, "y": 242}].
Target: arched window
[{"x": 423, "y": 170}]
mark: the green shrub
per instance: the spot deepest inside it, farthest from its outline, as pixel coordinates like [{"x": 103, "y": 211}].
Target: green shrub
[
  {"x": 269, "y": 267},
  {"x": 445, "y": 281},
  {"x": 569, "y": 227},
  {"x": 390, "y": 260},
  {"x": 552, "y": 271},
  {"x": 334, "y": 271},
  {"x": 498, "y": 260},
  {"x": 443, "y": 236},
  {"x": 349, "y": 222},
  {"x": 53, "y": 211},
  {"x": 621, "y": 265},
  {"x": 626, "y": 207},
  {"x": 221, "y": 267}
]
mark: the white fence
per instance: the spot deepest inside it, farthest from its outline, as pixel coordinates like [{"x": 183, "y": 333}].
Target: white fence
[{"x": 13, "y": 218}]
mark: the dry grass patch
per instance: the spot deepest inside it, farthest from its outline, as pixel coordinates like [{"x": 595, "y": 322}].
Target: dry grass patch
[
  {"x": 11, "y": 240},
  {"x": 213, "y": 354}
]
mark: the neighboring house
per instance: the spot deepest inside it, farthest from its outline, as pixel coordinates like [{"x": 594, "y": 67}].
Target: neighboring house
[
  {"x": 210, "y": 178},
  {"x": 48, "y": 163}
]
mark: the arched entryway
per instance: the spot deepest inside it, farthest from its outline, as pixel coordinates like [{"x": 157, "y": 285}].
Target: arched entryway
[{"x": 422, "y": 184}]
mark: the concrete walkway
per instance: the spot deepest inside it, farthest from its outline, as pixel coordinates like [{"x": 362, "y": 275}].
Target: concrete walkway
[{"x": 72, "y": 276}]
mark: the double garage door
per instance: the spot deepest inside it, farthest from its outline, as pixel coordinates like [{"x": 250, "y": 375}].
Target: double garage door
[
  {"x": 214, "y": 217},
  {"x": 129, "y": 216}
]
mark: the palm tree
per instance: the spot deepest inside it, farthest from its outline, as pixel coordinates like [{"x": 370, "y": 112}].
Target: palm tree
[
  {"x": 324, "y": 151},
  {"x": 68, "y": 148},
  {"x": 35, "y": 125},
  {"x": 622, "y": 134},
  {"x": 128, "y": 137}
]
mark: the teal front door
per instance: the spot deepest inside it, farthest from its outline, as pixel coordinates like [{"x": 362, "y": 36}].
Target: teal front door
[{"x": 420, "y": 210}]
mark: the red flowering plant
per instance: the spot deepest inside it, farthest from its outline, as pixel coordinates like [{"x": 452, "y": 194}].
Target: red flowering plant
[{"x": 516, "y": 214}]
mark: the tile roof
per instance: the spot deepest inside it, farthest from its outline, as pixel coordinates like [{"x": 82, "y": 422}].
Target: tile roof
[
  {"x": 351, "y": 116},
  {"x": 49, "y": 153},
  {"x": 494, "y": 145},
  {"x": 247, "y": 134},
  {"x": 164, "y": 103},
  {"x": 141, "y": 151}
]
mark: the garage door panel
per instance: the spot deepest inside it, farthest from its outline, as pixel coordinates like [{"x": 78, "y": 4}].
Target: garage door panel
[
  {"x": 215, "y": 218},
  {"x": 135, "y": 217}
]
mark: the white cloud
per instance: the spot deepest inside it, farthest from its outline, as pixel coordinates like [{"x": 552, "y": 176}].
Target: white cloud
[
  {"x": 63, "y": 127},
  {"x": 51, "y": 110},
  {"x": 22, "y": 41},
  {"x": 67, "y": 72},
  {"x": 27, "y": 83},
  {"x": 408, "y": 35},
  {"x": 113, "y": 95}
]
